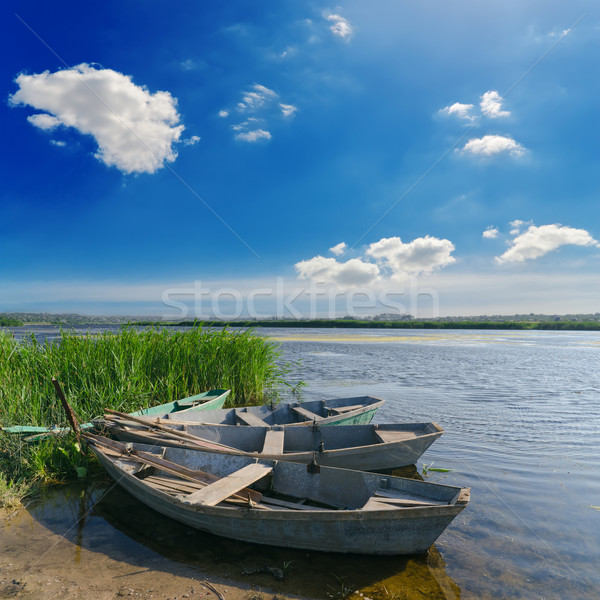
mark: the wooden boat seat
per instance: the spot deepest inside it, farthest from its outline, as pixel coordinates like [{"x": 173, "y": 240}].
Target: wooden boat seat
[
  {"x": 397, "y": 497},
  {"x": 221, "y": 489},
  {"x": 273, "y": 441},
  {"x": 386, "y": 436},
  {"x": 307, "y": 414},
  {"x": 344, "y": 409},
  {"x": 187, "y": 403},
  {"x": 292, "y": 505},
  {"x": 249, "y": 419}
]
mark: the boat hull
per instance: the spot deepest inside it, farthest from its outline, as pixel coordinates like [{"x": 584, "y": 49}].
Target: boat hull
[
  {"x": 349, "y": 447},
  {"x": 391, "y": 531},
  {"x": 327, "y": 412}
]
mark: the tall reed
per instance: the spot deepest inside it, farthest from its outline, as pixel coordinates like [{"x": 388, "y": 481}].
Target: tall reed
[{"x": 126, "y": 371}]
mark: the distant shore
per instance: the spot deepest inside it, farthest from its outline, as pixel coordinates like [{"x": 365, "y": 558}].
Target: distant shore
[
  {"x": 408, "y": 324},
  {"x": 570, "y": 322}
]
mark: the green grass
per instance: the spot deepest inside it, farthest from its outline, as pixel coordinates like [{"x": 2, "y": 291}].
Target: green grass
[{"x": 126, "y": 371}]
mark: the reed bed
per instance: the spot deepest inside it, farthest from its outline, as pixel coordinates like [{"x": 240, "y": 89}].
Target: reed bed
[{"x": 126, "y": 371}]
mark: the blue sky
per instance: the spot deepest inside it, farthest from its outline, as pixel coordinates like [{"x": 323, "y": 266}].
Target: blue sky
[{"x": 320, "y": 158}]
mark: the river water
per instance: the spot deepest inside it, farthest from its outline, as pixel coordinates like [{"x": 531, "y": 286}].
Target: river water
[{"x": 521, "y": 418}]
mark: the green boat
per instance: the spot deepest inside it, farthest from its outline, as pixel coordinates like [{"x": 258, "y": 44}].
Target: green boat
[
  {"x": 210, "y": 400},
  {"x": 358, "y": 410}
]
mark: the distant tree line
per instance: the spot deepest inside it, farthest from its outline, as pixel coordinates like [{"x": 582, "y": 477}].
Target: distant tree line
[
  {"x": 9, "y": 322},
  {"x": 355, "y": 324}
]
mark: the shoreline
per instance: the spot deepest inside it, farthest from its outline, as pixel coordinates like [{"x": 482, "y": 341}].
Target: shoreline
[{"x": 27, "y": 573}]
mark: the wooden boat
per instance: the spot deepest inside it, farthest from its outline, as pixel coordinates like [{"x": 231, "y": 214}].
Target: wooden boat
[
  {"x": 288, "y": 504},
  {"x": 363, "y": 447},
  {"x": 210, "y": 400},
  {"x": 339, "y": 411}
]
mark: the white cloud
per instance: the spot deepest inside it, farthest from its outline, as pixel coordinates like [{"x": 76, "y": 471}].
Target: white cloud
[
  {"x": 191, "y": 141},
  {"x": 288, "y": 110},
  {"x": 516, "y": 226},
  {"x": 256, "y": 97},
  {"x": 394, "y": 261},
  {"x": 253, "y": 136},
  {"x": 491, "y": 233},
  {"x": 340, "y": 26},
  {"x": 537, "y": 241},
  {"x": 493, "y": 145},
  {"x": 44, "y": 121},
  {"x": 59, "y": 143},
  {"x": 491, "y": 105},
  {"x": 338, "y": 249},
  {"x": 260, "y": 105},
  {"x": 422, "y": 255},
  {"x": 352, "y": 273},
  {"x": 135, "y": 130},
  {"x": 462, "y": 111}
]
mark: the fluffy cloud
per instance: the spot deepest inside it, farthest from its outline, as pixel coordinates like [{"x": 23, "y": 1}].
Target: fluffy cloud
[
  {"x": 253, "y": 135},
  {"x": 338, "y": 249},
  {"x": 352, "y": 273},
  {"x": 491, "y": 105},
  {"x": 191, "y": 141},
  {"x": 259, "y": 105},
  {"x": 422, "y": 255},
  {"x": 537, "y": 241},
  {"x": 135, "y": 130},
  {"x": 493, "y": 145},
  {"x": 256, "y": 97},
  {"x": 462, "y": 111},
  {"x": 516, "y": 226},
  {"x": 340, "y": 26},
  {"x": 44, "y": 121},
  {"x": 287, "y": 109},
  {"x": 490, "y": 233},
  {"x": 394, "y": 260}
]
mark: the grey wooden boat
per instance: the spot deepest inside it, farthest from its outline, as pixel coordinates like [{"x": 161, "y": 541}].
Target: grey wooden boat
[
  {"x": 363, "y": 447},
  {"x": 339, "y": 411},
  {"x": 288, "y": 504}
]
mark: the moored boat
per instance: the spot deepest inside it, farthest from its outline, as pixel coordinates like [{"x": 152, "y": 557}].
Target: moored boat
[
  {"x": 338, "y": 411},
  {"x": 209, "y": 400},
  {"x": 363, "y": 447},
  {"x": 282, "y": 503}
]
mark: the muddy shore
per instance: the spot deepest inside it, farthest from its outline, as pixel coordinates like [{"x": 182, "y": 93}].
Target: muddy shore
[{"x": 38, "y": 563}]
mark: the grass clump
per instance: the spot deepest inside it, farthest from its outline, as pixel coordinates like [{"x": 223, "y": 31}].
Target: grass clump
[{"x": 126, "y": 371}]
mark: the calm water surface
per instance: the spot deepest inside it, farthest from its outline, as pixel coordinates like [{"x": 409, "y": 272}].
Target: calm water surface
[{"x": 521, "y": 417}]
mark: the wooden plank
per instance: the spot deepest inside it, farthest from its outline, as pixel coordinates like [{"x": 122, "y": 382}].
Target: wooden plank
[
  {"x": 343, "y": 409},
  {"x": 223, "y": 488},
  {"x": 292, "y": 505},
  {"x": 164, "y": 465},
  {"x": 399, "y": 495},
  {"x": 118, "y": 417},
  {"x": 273, "y": 441},
  {"x": 307, "y": 414},
  {"x": 405, "y": 502},
  {"x": 386, "y": 436},
  {"x": 249, "y": 419}
]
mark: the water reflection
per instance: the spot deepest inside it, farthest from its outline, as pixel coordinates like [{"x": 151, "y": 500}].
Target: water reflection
[{"x": 104, "y": 518}]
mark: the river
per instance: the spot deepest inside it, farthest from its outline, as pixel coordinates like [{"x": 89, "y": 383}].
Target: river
[{"x": 521, "y": 419}]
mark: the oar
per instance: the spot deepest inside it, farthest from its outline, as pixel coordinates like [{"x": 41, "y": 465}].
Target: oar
[
  {"x": 169, "y": 430},
  {"x": 166, "y": 465}
]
